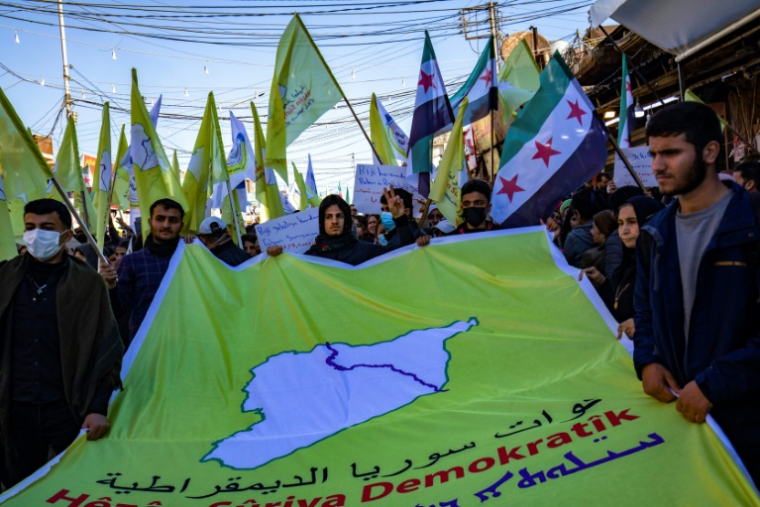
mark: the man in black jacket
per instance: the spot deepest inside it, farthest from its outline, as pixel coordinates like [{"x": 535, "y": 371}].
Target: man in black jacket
[
  {"x": 213, "y": 233},
  {"x": 60, "y": 351}
]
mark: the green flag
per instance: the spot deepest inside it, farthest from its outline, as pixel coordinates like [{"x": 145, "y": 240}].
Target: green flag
[
  {"x": 152, "y": 170},
  {"x": 518, "y": 79},
  {"x": 303, "y": 89},
  {"x": 445, "y": 189},
  {"x": 267, "y": 192},
  {"x": 25, "y": 172},
  {"x": 380, "y": 135},
  {"x": 303, "y": 198},
  {"x": 102, "y": 180}
]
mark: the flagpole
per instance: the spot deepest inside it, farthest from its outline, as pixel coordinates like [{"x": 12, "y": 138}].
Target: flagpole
[
  {"x": 622, "y": 156},
  {"x": 78, "y": 218},
  {"x": 329, "y": 71},
  {"x": 234, "y": 213}
]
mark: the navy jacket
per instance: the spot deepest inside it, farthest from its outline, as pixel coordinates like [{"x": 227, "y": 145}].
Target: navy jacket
[{"x": 723, "y": 353}]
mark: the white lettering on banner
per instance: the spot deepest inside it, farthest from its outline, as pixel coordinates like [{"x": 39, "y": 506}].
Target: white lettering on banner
[
  {"x": 294, "y": 233},
  {"x": 372, "y": 179},
  {"x": 642, "y": 164}
]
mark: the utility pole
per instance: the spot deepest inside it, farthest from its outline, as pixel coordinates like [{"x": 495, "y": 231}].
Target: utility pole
[
  {"x": 66, "y": 78},
  {"x": 493, "y": 93}
]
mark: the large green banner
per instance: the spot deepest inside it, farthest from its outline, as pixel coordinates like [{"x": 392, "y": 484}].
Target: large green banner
[{"x": 474, "y": 371}]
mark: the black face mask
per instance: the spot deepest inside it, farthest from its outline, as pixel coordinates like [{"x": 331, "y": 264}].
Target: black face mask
[{"x": 474, "y": 216}]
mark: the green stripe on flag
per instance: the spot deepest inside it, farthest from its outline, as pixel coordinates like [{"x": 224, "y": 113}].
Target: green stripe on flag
[{"x": 554, "y": 81}]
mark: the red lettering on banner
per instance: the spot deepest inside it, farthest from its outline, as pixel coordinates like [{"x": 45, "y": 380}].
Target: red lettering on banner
[
  {"x": 73, "y": 502},
  {"x": 367, "y": 491},
  {"x": 474, "y": 468},
  {"x": 620, "y": 416},
  {"x": 444, "y": 476},
  {"x": 557, "y": 440},
  {"x": 533, "y": 447},
  {"x": 505, "y": 456},
  {"x": 409, "y": 486}
]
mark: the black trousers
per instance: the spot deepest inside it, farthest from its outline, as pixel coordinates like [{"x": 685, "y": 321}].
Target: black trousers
[{"x": 34, "y": 429}]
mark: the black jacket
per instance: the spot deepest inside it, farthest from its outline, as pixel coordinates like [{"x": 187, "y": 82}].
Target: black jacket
[
  {"x": 230, "y": 253},
  {"x": 346, "y": 248}
]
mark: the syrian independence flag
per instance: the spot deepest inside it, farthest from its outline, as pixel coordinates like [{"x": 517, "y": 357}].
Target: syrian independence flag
[
  {"x": 481, "y": 88},
  {"x": 627, "y": 111},
  {"x": 432, "y": 115},
  {"x": 553, "y": 147}
]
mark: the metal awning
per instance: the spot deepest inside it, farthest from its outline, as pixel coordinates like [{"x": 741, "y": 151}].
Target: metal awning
[{"x": 680, "y": 27}]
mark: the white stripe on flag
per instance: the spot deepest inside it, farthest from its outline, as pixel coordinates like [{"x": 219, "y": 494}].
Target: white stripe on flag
[{"x": 566, "y": 134}]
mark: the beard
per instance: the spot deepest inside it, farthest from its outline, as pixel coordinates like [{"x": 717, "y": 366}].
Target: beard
[{"x": 694, "y": 179}]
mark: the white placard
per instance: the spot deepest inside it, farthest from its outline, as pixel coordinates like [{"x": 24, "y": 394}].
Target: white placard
[
  {"x": 370, "y": 181},
  {"x": 295, "y": 233},
  {"x": 642, "y": 164}
]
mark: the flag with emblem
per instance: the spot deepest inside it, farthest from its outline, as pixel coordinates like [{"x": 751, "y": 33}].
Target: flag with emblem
[
  {"x": 432, "y": 115},
  {"x": 480, "y": 88},
  {"x": 154, "y": 178},
  {"x": 102, "y": 181},
  {"x": 555, "y": 145},
  {"x": 122, "y": 179},
  {"x": 627, "y": 111}
]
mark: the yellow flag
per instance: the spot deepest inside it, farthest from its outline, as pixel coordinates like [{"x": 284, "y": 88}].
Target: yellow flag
[
  {"x": 690, "y": 96},
  {"x": 518, "y": 78},
  {"x": 303, "y": 89},
  {"x": 153, "y": 173},
  {"x": 267, "y": 192},
  {"x": 25, "y": 172},
  {"x": 102, "y": 181},
  {"x": 445, "y": 191},
  {"x": 7, "y": 241},
  {"x": 379, "y": 135}
]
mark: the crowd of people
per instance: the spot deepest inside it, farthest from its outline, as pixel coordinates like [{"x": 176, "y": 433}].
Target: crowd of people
[{"x": 678, "y": 266}]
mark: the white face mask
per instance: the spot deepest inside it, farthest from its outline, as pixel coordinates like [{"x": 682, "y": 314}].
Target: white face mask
[{"x": 42, "y": 244}]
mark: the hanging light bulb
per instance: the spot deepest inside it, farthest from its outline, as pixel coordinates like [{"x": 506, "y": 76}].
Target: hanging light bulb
[
  {"x": 403, "y": 83},
  {"x": 83, "y": 94},
  {"x": 17, "y": 41},
  {"x": 42, "y": 83},
  {"x": 353, "y": 73},
  {"x": 205, "y": 69},
  {"x": 113, "y": 54},
  {"x": 186, "y": 95},
  {"x": 113, "y": 89}
]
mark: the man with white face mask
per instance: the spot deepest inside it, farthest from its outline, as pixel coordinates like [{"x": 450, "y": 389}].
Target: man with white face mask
[{"x": 60, "y": 351}]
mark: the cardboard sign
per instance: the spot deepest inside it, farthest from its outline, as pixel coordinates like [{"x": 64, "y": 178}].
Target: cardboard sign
[
  {"x": 370, "y": 181},
  {"x": 642, "y": 164},
  {"x": 295, "y": 233}
]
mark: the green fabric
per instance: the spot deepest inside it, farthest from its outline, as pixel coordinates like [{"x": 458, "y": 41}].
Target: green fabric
[
  {"x": 445, "y": 189},
  {"x": 528, "y": 396},
  {"x": 380, "y": 135},
  {"x": 521, "y": 71}
]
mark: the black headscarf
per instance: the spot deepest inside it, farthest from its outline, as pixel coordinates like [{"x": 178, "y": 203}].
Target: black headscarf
[
  {"x": 332, "y": 200},
  {"x": 644, "y": 207}
]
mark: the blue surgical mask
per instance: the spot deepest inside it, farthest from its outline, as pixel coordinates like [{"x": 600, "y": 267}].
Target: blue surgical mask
[
  {"x": 381, "y": 239},
  {"x": 387, "y": 219}
]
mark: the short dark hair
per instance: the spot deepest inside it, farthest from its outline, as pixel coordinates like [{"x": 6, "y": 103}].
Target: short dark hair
[
  {"x": 124, "y": 243},
  {"x": 590, "y": 201},
  {"x": 750, "y": 171},
  {"x": 696, "y": 120},
  {"x": 168, "y": 204},
  {"x": 603, "y": 175},
  {"x": 47, "y": 206},
  {"x": 251, "y": 238},
  {"x": 476, "y": 186},
  {"x": 405, "y": 195}
]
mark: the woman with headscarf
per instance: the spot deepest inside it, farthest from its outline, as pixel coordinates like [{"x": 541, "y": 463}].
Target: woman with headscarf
[{"x": 617, "y": 291}]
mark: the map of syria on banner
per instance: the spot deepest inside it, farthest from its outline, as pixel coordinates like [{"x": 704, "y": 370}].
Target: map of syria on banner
[
  {"x": 554, "y": 146},
  {"x": 300, "y": 382}
]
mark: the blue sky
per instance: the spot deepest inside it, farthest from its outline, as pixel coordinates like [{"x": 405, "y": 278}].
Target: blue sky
[{"x": 386, "y": 63}]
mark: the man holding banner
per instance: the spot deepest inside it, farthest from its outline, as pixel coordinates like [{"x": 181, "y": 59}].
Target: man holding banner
[{"x": 696, "y": 258}]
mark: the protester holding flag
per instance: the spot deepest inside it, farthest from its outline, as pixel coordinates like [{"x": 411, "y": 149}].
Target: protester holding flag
[{"x": 61, "y": 354}]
